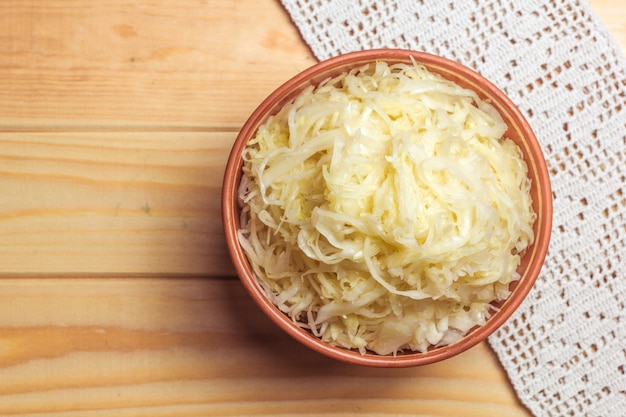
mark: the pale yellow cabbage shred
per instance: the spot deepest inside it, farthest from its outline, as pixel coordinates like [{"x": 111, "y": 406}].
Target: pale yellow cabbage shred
[{"x": 384, "y": 210}]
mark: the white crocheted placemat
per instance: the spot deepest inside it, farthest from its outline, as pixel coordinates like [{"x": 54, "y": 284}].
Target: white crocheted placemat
[{"x": 565, "y": 348}]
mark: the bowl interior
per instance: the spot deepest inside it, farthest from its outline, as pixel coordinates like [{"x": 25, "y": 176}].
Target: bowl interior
[{"x": 518, "y": 130}]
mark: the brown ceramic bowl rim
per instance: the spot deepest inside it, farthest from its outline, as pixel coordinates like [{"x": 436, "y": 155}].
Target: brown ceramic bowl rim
[{"x": 449, "y": 69}]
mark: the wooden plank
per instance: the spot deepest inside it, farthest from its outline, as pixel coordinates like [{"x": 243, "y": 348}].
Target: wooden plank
[
  {"x": 153, "y": 63},
  {"x": 195, "y": 347},
  {"x": 142, "y": 63},
  {"x": 113, "y": 202},
  {"x": 612, "y": 14}
]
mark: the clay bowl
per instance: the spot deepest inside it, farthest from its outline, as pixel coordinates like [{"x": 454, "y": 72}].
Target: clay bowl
[{"x": 519, "y": 131}]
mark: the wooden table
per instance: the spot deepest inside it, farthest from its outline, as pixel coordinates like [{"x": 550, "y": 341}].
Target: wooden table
[{"x": 117, "y": 296}]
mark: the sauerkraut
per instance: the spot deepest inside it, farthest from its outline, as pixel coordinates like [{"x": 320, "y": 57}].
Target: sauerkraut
[{"x": 384, "y": 210}]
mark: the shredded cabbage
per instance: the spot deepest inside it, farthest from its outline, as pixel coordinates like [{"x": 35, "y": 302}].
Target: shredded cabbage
[{"x": 384, "y": 210}]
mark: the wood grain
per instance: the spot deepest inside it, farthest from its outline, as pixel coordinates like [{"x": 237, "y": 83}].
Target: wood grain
[
  {"x": 196, "y": 347},
  {"x": 116, "y": 120},
  {"x": 117, "y": 296},
  {"x": 112, "y": 202},
  {"x": 115, "y": 123},
  {"x": 143, "y": 63},
  {"x": 612, "y": 15}
]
